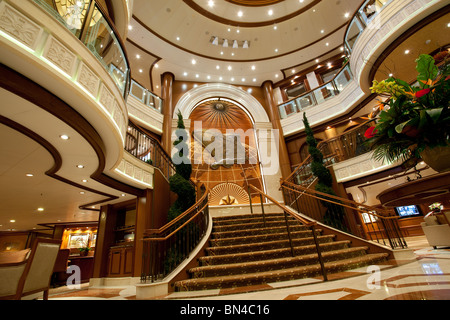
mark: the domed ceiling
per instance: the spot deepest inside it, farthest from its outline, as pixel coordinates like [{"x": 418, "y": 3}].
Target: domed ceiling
[{"x": 236, "y": 41}]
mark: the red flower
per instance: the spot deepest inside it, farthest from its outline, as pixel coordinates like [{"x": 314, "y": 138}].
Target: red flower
[
  {"x": 370, "y": 133},
  {"x": 423, "y": 92}
]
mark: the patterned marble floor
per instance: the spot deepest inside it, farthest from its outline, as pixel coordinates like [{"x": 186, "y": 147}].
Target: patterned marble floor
[{"x": 427, "y": 277}]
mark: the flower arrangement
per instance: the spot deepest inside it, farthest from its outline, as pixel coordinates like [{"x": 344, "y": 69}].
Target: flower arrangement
[
  {"x": 435, "y": 207},
  {"x": 414, "y": 117}
]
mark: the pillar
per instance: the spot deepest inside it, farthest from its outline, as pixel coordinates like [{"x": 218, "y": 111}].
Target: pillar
[
  {"x": 272, "y": 111},
  {"x": 166, "y": 95}
]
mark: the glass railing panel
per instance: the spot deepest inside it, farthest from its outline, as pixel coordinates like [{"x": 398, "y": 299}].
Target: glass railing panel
[
  {"x": 343, "y": 78},
  {"x": 103, "y": 43},
  {"x": 353, "y": 32},
  {"x": 154, "y": 101},
  {"x": 306, "y": 101},
  {"x": 324, "y": 93},
  {"x": 288, "y": 109},
  {"x": 138, "y": 91},
  {"x": 146, "y": 97}
]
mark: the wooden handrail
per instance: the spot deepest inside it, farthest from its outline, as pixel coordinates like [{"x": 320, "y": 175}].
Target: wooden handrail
[
  {"x": 174, "y": 221},
  {"x": 357, "y": 206},
  {"x": 284, "y": 208},
  {"x": 327, "y": 141}
]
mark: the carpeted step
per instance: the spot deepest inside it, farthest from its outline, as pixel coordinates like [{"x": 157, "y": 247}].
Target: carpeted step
[
  {"x": 270, "y": 254},
  {"x": 276, "y": 276},
  {"x": 263, "y": 237},
  {"x": 254, "y": 225},
  {"x": 257, "y": 231},
  {"x": 274, "y": 264},
  {"x": 238, "y": 218},
  {"x": 251, "y": 219},
  {"x": 265, "y": 245}
]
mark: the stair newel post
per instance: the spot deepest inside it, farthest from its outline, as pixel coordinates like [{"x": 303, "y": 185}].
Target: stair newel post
[
  {"x": 289, "y": 234},
  {"x": 262, "y": 209},
  {"x": 319, "y": 253}
]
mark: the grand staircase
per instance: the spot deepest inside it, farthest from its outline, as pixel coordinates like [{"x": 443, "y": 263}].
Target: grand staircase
[{"x": 244, "y": 252}]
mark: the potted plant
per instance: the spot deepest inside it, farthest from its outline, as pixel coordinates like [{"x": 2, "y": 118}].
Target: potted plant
[
  {"x": 414, "y": 123},
  {"x": 84, "y": 251}
]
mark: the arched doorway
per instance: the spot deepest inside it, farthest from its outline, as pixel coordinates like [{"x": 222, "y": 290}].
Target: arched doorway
[{"x": 224, "y": 151}]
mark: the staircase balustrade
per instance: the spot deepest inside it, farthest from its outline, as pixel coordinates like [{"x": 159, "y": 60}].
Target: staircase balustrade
[
  {"x": 380, "y": 225},
  {"x": 167, "y": 247}
]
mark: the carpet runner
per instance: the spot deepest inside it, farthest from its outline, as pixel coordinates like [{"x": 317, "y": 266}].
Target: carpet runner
[{"x": 243, "y": 252}]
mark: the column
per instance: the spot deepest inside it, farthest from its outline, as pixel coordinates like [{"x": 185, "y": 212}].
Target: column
[
  {"x": 166, "y": 95},
  {"x": 272, "y": 111}
]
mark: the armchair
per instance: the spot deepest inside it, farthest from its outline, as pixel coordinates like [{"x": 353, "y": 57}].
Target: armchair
[{"x": 32, "y": 275}]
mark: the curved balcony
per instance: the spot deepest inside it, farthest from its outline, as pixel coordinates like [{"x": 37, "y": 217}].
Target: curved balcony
[
  {"x": 374, "y": 26},
  {"x": 90, "y": 23}
]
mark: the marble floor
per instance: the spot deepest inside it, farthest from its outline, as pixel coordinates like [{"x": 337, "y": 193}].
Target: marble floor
[{"x": 425, "y": 277}]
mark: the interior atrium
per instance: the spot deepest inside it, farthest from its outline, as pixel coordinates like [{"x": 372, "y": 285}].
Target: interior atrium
[{"x": 220, "y": 150}]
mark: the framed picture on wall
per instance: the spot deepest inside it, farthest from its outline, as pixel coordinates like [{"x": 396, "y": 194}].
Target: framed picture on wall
[{"x": 78, "y": 240}]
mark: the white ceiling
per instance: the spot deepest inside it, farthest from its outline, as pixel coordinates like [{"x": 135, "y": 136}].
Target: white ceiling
[{"x": 180, "y": 33}]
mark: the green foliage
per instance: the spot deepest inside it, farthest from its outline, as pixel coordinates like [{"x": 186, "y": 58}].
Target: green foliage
[
  {"x": 179, "y": 182},
  {"x": 414, "y": 117},
  {"x": 334, "y": 215}
]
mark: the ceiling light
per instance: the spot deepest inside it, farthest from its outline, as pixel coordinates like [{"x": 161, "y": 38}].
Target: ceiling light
[
  {"x": 80, "y": 166},
  {"x": 140, "y": 70},
  {"x": 225, "y": 43},
  {"x": 235, "y": 44},
  {"x": 196, "y": 75},
  {"x": 253, "y": 67},
  {"x": 229, "y": 68},
  {"x": 327, "y": 44},
  {"x": 254, "y": 79},
  {"x": 40, "y": 209},
  {"x": 270, "y": 12},
  {"x": 322, "y": 31},
  {"x": 232, "y": 79},
  {"x": 407, "y": 51},
  {"x": 138, "y": 56},
  {"x": 276, "y": 50},
  {"x": 347, "y": 15},
  {"x": 215, "y": 41},
  {"x": 243, "y": 79},
  {"x": 240, "y": 14},
  {"x": 221, "y": 52},
  {"x": 178, "y": 38},
  {"x": 64, "y": 137},
  {"x": 84, "y": 180},
  {"x": 245, "y": 46},
  {"x": 12, "y": 221},
  {"x": 211, "y": 3},
  {"x": 130, "y": 27},
  {"x": 29, "y": 175},
  {"x": 185, "y": 74},
  {"x": 193, "y": 61},
  {"x": 275, "y": 27}
]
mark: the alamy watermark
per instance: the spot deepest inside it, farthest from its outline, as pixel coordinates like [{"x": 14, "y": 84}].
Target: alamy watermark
[{"x": 234, "y": 147}]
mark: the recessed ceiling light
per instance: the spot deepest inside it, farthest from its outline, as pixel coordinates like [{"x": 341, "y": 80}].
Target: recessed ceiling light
[
  {"x": 217, "y": 67},
  {"x": 253, "y": 67},
  {"x": 80, "y": 166},
  {"x": 407, "y": 51},
  {"x": 185, "y": 74},
  {"x": 40, "y": 209},
  {"x": 276, "y": 50},
  {"x": 64, "y": 137},
  {"x": 240, "y": 14},
  {"x": 275, "y": 27},
  {"x": 130, "y": 27},
  {"x": 84, "y": 180},
  {"x": 29, "y": 175},
  {"x": 327, "y": 44},
  {"x": 138, "y": 56},
  {"x": 270, "y": 12},
  {"x": 193, "y": 61},
  {"x": 140, "y": 70},
  {"x": 322, "y": 31},
  {"x": 232, "y": 79},
  {"x": 254, "y": 79},
  {"x": 178, "y": 38},
  {"x": 12, "y": 221},
  {"x": 123, "y": 194},
  {"x": 211, "y": 3},
  {"x": 229, "y": 68},
  {"x": 347, "y": 15}
]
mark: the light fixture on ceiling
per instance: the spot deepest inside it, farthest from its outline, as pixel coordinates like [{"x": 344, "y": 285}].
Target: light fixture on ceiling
[
  {"x": 215, "y": 41},
  {"x": 245, "y": 45},
  {"x": 225, "y": 43},
  {"x": 64, "y": 137},
  {"x": 235, "y": 44}
]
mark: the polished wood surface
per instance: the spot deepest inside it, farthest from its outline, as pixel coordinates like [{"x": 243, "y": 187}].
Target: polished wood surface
[{"x": 425, "y": 190}]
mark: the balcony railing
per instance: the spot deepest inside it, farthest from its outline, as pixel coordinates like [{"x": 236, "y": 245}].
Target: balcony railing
[
  {"x": 167, "y": 247},
  {"x": 317, "y": 96},
  {"x": 142, "y": 146},
  {"x": 90, "y": 23},
  {"x": 345, "y": 146},
  {"x": 361, "y": 20},
  {"x": 146, "y": 96}
]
